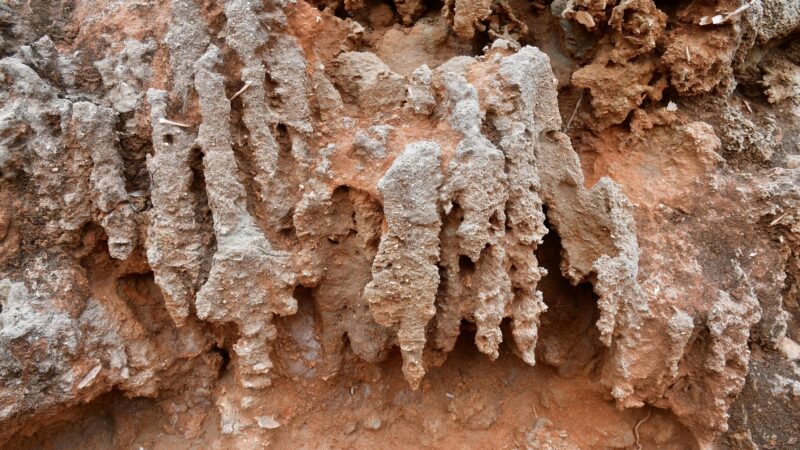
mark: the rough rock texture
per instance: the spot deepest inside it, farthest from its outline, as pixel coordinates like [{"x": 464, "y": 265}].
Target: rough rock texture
[{"x": 241, "y": 223}]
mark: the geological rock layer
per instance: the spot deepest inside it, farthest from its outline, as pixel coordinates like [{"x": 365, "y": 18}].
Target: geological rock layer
[{"x": 222, "y": 207}]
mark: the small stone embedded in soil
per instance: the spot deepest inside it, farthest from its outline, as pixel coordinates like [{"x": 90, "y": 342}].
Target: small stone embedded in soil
[
  {"x": 585, "y": 19},
  {"x": 790, "y": 349},
  {"x": 267, "y": 422},
  {"x": 372, "y": 423},
  {"x": 89, "y": 377}
]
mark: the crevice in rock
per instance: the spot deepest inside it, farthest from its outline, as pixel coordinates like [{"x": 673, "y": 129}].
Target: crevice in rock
[
  {"x": 144, "y": 298},
  {"x": 432, "y": 7},
  {"x": 343, "y": 234},
  {"x": 226, "y": 359},
  {"x": 202, "y": 210},
  {"x": 91, "y": 425},
  {"x": 299, "y": 338},
  {"x": 247, "y": 171},
  {"x": 287, "y": 169},
  {"x": 671, "y": 6},
  {"x": 94, "y": 243},
  {"x": 481, "y": 39},
  {"x": 216, "y": 21},
  {"x": 466, "y": 266},
  {"x": 133, "y": 158},
  {"x": 568, "y": 337}
]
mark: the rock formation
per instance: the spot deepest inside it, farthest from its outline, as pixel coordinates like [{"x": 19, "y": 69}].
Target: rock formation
[{"x": 471, "y": 223}]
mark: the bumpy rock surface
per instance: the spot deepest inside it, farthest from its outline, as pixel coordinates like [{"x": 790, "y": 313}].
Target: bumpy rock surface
[{"x": 475, "y": 224}]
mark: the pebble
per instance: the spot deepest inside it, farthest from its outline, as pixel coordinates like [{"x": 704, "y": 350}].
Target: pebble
[
  {"x": 268, "y": 422},
  {"x": 372, "y": 423},
  {"x": 790, "y": 349},
  {"x": 350, "y": 428}
]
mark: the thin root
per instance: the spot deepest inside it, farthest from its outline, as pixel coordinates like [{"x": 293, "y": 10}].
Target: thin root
[
  {"x": 775, "y": 222},
  {"x": 575, "y": 111},
  {"x": 164, "y": 121},
  {"x": 636, "y": 428},
  {"x": 239, "y": 92},
  {"x": 719, "y": 19}
]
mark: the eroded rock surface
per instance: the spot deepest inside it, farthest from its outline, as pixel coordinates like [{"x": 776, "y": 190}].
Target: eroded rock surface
[{"x": 250, "y": 223}]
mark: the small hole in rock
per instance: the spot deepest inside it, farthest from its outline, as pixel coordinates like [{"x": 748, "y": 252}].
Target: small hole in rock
[
  {"x": 465, "y": 265},
  {"x": 226, "y": 359},
  {"x": 287, "y": 232},
  {"x": 495, "y": 220},
  {"x": 303, "y": 293}
]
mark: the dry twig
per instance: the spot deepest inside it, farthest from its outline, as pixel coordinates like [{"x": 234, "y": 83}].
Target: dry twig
[
  {"x": 775, "y": 222},
  {"x": 636, "y": 428},
  {"x": 575, "y": 111},
  {"x": 239, "y": 92},
  {"x": 164, "y": 121}
]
